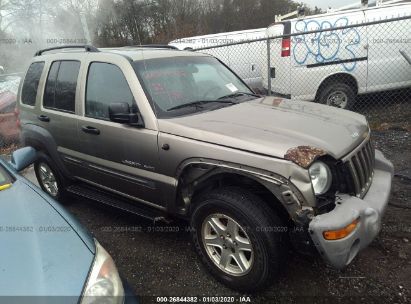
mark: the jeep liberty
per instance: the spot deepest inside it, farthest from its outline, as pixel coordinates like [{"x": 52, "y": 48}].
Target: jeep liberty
[{"x": 165, "y": 133}]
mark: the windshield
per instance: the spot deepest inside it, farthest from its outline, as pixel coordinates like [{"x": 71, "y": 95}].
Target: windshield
[{"x": 177, "y": 85}]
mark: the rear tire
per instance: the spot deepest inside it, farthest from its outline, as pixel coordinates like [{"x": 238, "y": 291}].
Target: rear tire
[
  {"x": 50, "y": 178},
  {"x": 339, "y": 95},
  {"x": 246, "y": 260}
]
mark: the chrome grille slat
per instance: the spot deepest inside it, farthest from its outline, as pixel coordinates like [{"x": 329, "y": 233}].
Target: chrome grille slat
[
  {"x": 354, "y": 176},
  {"x": 360, "y": 171},
  {"x": 361, "y": 156},
  {"x": 360, "y": 165},
  {"x": 367, "y": 159}
]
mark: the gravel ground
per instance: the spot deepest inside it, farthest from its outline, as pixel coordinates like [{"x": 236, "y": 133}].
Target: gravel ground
[{"x": 159, "y": 260}]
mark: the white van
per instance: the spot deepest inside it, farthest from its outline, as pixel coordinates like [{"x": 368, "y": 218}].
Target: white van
[
  {"x": 246, "y": 60},
  {"x": 333, "y": 67}
]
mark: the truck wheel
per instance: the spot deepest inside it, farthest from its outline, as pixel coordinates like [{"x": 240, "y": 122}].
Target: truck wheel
[
  {"x": 50, "y": 179},
  {"x": 339, "y": 95},
  {"x": 238, "y": 238}
]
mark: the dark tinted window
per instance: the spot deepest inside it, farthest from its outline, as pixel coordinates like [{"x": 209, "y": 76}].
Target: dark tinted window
[
  {"x": 60, "y": 93},
  {"x": 31, "y": 83},
  {"x": 106, "y": 84},
  {"x": 48, "y": 99}
]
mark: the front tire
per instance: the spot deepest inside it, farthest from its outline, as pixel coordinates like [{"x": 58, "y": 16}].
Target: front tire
[
  {"x": 339, "y": 95},
  {"x": 49, "y": 178},
  {"x": 238, "y": 238}
]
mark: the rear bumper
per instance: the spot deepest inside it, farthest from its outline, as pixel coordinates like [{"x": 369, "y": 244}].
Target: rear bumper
[{"x": 369, "y": 211}]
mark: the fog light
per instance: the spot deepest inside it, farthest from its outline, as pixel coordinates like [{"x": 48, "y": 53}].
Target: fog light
[{"x": 341, "y": 233}]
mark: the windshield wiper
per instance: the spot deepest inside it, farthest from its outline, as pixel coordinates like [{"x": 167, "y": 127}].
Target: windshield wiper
[
  {"x": 199, "y": 104},
  {"x": 239, "y": 94}
]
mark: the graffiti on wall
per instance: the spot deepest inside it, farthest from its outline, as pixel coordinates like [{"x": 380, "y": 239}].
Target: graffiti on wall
[{"x": 327, "y": 46}]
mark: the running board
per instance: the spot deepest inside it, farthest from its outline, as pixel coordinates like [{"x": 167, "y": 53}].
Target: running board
[{"x": 117, "y": 202}]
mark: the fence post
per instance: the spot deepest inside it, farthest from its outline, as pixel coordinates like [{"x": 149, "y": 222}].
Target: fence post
[{"x": 268, "y": 67}]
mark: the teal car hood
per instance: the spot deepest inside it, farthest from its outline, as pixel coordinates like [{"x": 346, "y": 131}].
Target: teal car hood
[{"x": 43, "y": 251}]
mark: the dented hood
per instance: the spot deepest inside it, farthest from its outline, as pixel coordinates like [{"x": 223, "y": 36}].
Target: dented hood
[{"x": 272, "y": 126}]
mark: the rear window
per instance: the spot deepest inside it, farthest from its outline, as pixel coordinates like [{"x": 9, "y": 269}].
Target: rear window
[
  {"x": 31, "y": 83},
  {"x": 60, "y": 92}
]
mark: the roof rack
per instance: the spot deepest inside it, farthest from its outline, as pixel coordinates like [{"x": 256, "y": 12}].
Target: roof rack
[
  {"x": 87, "y": 48},
  {"x": 154, "y": 46},
  {"x": 363, "y": 4},
  {"x": 298, "y": 13}
]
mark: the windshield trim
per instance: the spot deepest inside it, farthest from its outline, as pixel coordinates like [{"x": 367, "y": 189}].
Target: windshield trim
[{"x": 160, "y": 113}]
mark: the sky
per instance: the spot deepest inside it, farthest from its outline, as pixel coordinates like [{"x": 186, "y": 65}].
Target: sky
[{"x": 324, "y": 4}]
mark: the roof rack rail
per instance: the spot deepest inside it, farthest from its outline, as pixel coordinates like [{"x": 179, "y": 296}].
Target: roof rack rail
[
  {"x": 87, "y": 48},
  {"x": 298, "y": 13},
  {"x": 154, "y": 46}
]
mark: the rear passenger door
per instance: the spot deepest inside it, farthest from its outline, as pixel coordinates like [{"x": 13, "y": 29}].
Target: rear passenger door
[
  {"x": 57, "y": 113},
  {"x": 116, "y": 157}
]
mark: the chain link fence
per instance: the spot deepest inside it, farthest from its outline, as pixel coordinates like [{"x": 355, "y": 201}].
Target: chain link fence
[{"x": 363, "y": 67}]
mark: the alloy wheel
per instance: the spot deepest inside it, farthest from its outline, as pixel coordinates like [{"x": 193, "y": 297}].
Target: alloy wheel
[
  {"x": 48, "y": 179},
  {"x": 227, "y": 244}
]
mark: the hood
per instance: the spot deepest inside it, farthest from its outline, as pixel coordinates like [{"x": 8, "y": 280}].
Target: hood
[
  {"x": 272, "y": 126},
  {"x": 41, "y": 254}
]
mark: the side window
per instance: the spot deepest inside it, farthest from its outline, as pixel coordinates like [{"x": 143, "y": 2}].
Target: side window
[
  {"x": 106, "y": 84},
  {"x": 48, "y": 98},
  {"x": 31, "y": 83},
  {"x": 60, "y": 92}
]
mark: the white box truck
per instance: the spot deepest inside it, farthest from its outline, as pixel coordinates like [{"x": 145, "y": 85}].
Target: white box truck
[{"x": 333, "y": 67}]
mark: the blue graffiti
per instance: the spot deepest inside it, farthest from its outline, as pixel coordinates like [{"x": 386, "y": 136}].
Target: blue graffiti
[{"x": 326, "y": 46}]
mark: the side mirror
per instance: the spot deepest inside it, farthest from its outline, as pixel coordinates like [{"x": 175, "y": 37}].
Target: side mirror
[
  {"x": 121, "y": 113},
  {"x": 22, "y": 158}
]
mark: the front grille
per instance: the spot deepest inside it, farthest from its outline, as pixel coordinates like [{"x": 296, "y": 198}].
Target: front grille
[{"x": 360, "y": 165}]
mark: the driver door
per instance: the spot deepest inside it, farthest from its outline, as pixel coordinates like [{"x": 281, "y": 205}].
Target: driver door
[{"x": 114, "y": 156}]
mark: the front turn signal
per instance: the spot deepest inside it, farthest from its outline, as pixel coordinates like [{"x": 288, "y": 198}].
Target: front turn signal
[{"x": 333, "y": 235}]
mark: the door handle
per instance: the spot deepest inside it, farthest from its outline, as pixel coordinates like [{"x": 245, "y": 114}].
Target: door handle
[
  {"x": 90, "y": 130},
  {"x": 43, "y": 118}
]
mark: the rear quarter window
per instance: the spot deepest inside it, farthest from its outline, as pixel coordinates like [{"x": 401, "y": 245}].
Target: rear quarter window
[{"x": 31, "y": 83}]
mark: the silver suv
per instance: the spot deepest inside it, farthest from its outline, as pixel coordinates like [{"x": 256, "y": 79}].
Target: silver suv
[{"x": 167, "y": 133}]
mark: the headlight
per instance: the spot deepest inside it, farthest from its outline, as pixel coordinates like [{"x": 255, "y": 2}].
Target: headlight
[
  {"x": 103, "y": 284},
  {"x": 321, "y": 177}
]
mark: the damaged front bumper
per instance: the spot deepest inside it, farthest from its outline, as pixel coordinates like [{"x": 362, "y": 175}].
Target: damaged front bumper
[{"x": 368, "y": 211}]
